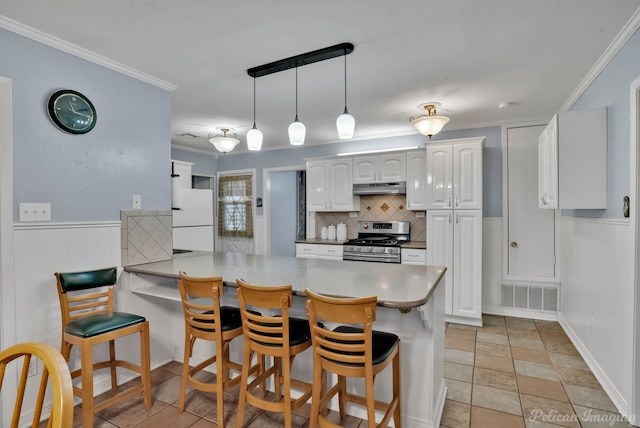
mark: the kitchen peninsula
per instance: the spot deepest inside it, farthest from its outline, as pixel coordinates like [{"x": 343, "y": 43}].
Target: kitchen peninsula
[{"x": 410, "y": 304}]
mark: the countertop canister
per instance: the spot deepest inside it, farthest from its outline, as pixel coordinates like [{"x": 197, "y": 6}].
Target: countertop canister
[
  {"x": 341, "y": 232},
  {"x": 331, "y": 232},
  {"x": 323, "y": 232}
]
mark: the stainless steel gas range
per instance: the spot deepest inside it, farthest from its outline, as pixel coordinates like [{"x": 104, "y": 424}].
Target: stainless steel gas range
[{"x": 377, "y": 241}]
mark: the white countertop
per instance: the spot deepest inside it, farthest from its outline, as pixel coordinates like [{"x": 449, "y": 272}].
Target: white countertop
[{"x": 397, "y": 286}]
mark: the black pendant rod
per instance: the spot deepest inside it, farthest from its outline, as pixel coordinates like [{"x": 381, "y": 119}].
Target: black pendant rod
[{"x": 302, "y": 59}]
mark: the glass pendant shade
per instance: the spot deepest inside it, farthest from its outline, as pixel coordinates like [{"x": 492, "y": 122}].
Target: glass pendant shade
[
  {"x": 297, "y": 132},
  {"x": 346, "y": 125},
  {"x": 254, "y": 138}
]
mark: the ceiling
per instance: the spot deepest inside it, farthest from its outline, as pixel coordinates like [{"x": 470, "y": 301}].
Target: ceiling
[{"x": 469, "y": 55}]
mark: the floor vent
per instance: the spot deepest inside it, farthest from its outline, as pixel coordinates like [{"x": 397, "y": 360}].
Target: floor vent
[{"x": 533, "y": 296}]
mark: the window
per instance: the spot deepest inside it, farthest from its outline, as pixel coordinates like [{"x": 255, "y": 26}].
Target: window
[{"x": 234, "y": 206}]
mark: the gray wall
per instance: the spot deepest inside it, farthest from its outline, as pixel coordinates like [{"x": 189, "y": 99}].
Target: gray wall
[
  {"x": 202, "y": 164},
  {"x": 88, "y": 177},
  {"x": 611, "y": 89},
  {"x": 492, "y": 164}
]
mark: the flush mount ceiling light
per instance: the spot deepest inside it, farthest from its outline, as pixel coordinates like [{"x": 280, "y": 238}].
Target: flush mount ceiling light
[
  {"x": 254, "y": 136},
  {"x": 345, "y": 123},
  {"x": 429, "y": 124},
  {"x": 225, "y": 142},
  {"x": 297, "y": 130}
]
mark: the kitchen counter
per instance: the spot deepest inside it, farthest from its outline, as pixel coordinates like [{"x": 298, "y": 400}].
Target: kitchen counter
[
  {"x": 415, "y": 245},
  {"x": 397, "y": 286},
  {"x": 410, "y": 304}
]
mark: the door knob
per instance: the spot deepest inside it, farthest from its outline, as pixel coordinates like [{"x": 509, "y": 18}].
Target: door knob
[{"x": 514, "y": 244}]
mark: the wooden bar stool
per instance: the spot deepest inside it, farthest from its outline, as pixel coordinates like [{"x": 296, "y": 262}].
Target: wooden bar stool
[
  {"x": 351, "y": 351},
  {"x": 279, "y": 336},
  {"x": 88, "y": 319},
  {"x": 205, "y": 319}
]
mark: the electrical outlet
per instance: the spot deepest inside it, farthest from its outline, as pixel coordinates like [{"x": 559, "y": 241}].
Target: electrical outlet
[
  {"x": 35, "y": 212},
  {"x": 136, "y": 202},
  {"x": 420, "y": 214},
  {"x": 353, "y": 215},
  {"x": 33, "y": 367}
]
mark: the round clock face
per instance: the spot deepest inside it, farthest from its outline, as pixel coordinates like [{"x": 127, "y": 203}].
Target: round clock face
[{"x": 72, "y": 111}]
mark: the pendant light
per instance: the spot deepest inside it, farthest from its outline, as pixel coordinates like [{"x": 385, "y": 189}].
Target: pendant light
[
  {"x": 345, "y": 123},
  {"x": 254, "y": 136},
  {"x": 297, "y": 129}
]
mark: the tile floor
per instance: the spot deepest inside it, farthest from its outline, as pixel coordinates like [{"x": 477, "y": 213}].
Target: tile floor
[
  {"x": 516, "y": 372},
  {"x": 510, "y": 373}
]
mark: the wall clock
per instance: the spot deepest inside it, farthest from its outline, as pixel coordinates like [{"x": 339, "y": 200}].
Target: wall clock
[{"x": 72, "y": 111}]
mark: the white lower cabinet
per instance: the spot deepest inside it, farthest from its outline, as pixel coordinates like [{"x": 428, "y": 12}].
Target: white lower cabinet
[
  {"x": 319, "y": 251},
  {"x": 454, "y": 240},
  {"x": 413, "y": 256}
]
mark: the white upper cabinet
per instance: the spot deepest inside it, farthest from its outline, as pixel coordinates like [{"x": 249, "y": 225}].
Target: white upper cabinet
[
  {"x": 379, "y": 168},
  {"x": 330, "y": 186},
  {"x": 416, "y": 180},
  {"x": 572, "y": 161},
  {"x": 454, "y": 174}
]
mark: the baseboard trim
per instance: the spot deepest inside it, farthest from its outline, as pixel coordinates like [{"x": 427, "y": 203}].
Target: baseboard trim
[
  {"x": 520, "y": 313},
  {"x": 608, "y": 386}
]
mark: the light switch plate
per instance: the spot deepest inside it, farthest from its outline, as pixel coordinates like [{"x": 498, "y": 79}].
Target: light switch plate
[
  {"x": 136, "y": 202},
  {"x": 420, "y": 214},
  {"x": 353, "y": 215},
  {"x": 35, "y": 212}
]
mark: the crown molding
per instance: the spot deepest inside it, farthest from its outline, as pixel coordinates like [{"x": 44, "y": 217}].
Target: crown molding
[
  {"x": 623, "y": 37},
  {"x": 56, "y": 43}
]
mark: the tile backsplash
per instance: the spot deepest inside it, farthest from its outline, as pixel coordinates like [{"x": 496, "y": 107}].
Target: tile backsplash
[
  {"x": 376, "y": 208},
  {"x": 147, "y": 236}
]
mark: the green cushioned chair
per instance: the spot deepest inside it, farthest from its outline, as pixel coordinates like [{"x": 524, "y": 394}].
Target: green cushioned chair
[
  {"x": 351, "y": 350},
  {"x": 205, "y": 319},
  {"x": 88, "y": 318}
]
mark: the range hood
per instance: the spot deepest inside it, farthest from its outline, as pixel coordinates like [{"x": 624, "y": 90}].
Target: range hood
[{"x": 396, "y": 188}]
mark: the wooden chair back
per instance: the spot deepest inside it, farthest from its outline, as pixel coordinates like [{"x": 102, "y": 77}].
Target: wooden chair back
[
  {"x": 347, "y": 346},
  {"x": 54, "y": 367},
  {"x": 265, "y": 332},
  {"x": 201, "y": 305},
  {"x": 77, "y": 299}
]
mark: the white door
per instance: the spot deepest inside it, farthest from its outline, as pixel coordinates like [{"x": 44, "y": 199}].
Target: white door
[
  {"x": 392, "y": 167},
  {"x": 365, "y": 169},
  {"x": 340, "y": 185},
  {"x": 317, "y": 199},
  {"x": 440, "y": 249},
  {"x": 530, "y": 233},
  {"x": 416, "y": 180},
  {"x": 467, "y": 260}
]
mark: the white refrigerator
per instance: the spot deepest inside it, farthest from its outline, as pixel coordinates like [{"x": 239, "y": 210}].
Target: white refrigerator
[{"x": 193, "y": 221}]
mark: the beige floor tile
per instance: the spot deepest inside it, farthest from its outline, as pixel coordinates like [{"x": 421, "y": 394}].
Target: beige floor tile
[
  {"x": 593, "y": 418},
  {"x": 200, "y": 403},
  {"x": 548, "y": 326},
  {"x": 169, "y": 390},
  {"x": 130, "y": 412},
  {"x": 458, "y": 391},
  {"x": 561, "y": 348},
  {"x": 554, "y": 336},
  {"x": 493, "y": 329},
  {"x": 493, "y": 349},
  {"x": 578, "y": 377},
  {"x": 457, "y": 371},
  {"x": 568, "y": 361},
  {"x": 173, "y": 367},
  {"x": 552, "y": 390},
  {"x": 524, "y": 342},
  {"x": 203, "y": 423},
  {"x": 231, "y": 413},
  {"x": 520, "y": 323},
  {"x": 272, "y": 419},
  {"x": 534, "y": 423},
  {"x": 541, "y": 371},
  {"x": 552, "y": 411},
  {"x": 461, "y": 326},
  {"x": 487, "y": 418},
  {"x": 589, "y": 397},
  {"x": 496, "y": 399},
  {"x": 495, "y": 379},
  {"x": 493, "y": 362},
  {"x": 493, "y": 320},
  {"x": 160, "y": 375},
  {"x": 500, "y": 339},
  {"x": 169, "y": 417},
  {"x": 461, "y": 333},
  {"x": 525, "y": 333},
  {"x": 460, "y": 357},
  {"x": 533, "y": 355},
  {"x": 459, "y": 344},
  {"x": 455, "y": 414}
]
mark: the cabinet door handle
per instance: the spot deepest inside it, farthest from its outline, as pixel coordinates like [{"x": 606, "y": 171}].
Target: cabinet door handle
[
  {"x": 457, "y": 200},
  {"x": 449, "y": 218},
  {"x": 449, "y": 202},
  {"x": 325, "y": 205},
  {"x": 457, "y": 218}
]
